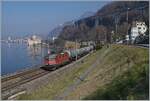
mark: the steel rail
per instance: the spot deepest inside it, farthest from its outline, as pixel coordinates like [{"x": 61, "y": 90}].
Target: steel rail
[{"x": 24, "y": 78}]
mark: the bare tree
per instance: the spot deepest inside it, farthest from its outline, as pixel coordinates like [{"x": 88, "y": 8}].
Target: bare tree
[
  {"x": 101, "y": 33},
  {"x": 122, "y": 30}
]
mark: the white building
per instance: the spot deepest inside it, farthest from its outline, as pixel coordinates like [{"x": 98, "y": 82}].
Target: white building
[
  {"x": 119, "y": 42},
  {"x": 54, "y": 38},
  {"x": 137, "y": 29},
  {"x": 142, "y": 28},
  {"x": 127, "y": 37},
  {"x": 34, "y": 40},
  {"x": 134, "y": 33}
]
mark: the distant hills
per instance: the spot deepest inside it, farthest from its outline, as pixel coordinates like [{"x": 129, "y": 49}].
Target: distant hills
[
  {"x": 100, "y": 25},
  {"x": 86, "y": 14},
  {"x": 56, "y": 31}
]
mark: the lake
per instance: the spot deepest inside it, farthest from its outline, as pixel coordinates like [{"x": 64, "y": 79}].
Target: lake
[{"x": 18, "y": 56}]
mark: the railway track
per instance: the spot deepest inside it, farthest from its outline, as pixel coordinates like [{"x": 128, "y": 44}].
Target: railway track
[
  {"x": 4, "y": 79},
  {"x": 14, "y": 81},
  {"x": 10, "y": 84}
]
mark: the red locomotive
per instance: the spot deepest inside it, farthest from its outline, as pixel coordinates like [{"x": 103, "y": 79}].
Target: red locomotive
[
  {"x": 53, "y": 61},
  {"x": 56, "y": 60}
]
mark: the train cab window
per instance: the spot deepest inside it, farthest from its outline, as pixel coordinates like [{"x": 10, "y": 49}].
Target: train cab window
[
  {"x": 61, "y": 54},
  {"x": 52, "y": 57},
  {"x": 47, "y": 57},
  {"x": 65, "y": 55}
]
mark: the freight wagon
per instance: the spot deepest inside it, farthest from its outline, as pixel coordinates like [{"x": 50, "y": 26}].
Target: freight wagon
[{"x": 57, "y": 60}]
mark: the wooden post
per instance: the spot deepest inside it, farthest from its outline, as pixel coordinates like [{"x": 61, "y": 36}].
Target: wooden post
[{"x": 76, "y": 49}]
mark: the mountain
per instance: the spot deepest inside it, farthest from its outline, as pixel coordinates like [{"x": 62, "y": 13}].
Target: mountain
[
  {"x": 119, "y": 6},
  {"x": 101, "y": 25},
  {"x": 86, "y": 14},
  {"x": 56, "y": 31}
]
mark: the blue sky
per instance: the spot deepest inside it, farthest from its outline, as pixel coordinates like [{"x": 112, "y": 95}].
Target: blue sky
[{"x": 25, "y": 18}]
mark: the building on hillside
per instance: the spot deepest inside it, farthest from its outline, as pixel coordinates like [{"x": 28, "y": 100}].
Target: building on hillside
[
  {"x": 34, "y": 40},
  {"x": 142, "y": 28},
  {"x": 127, "y": 37},
  {"x": 134, "y": 33},
  {"x": 54, "y": 38},
  {"x": 138, "y": 28}
]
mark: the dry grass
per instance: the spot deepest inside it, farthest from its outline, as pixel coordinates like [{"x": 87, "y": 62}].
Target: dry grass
[{"x": 115, "y": 62}]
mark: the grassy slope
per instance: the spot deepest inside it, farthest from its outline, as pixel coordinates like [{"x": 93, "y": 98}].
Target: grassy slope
[
  {"x": 110, "y": 79},
  {"x": 131, "y": 84},
  {"x": 118, "y": 75}
]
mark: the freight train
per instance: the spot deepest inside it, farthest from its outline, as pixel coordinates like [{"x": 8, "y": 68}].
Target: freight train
[{"x": 55, "y": 61}]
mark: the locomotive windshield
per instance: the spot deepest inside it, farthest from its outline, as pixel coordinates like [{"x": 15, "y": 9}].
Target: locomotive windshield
[{"x": 50, "y": 57}]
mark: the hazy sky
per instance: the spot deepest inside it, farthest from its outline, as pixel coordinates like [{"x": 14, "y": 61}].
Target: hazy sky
[{"x": 23, "y": 18}]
